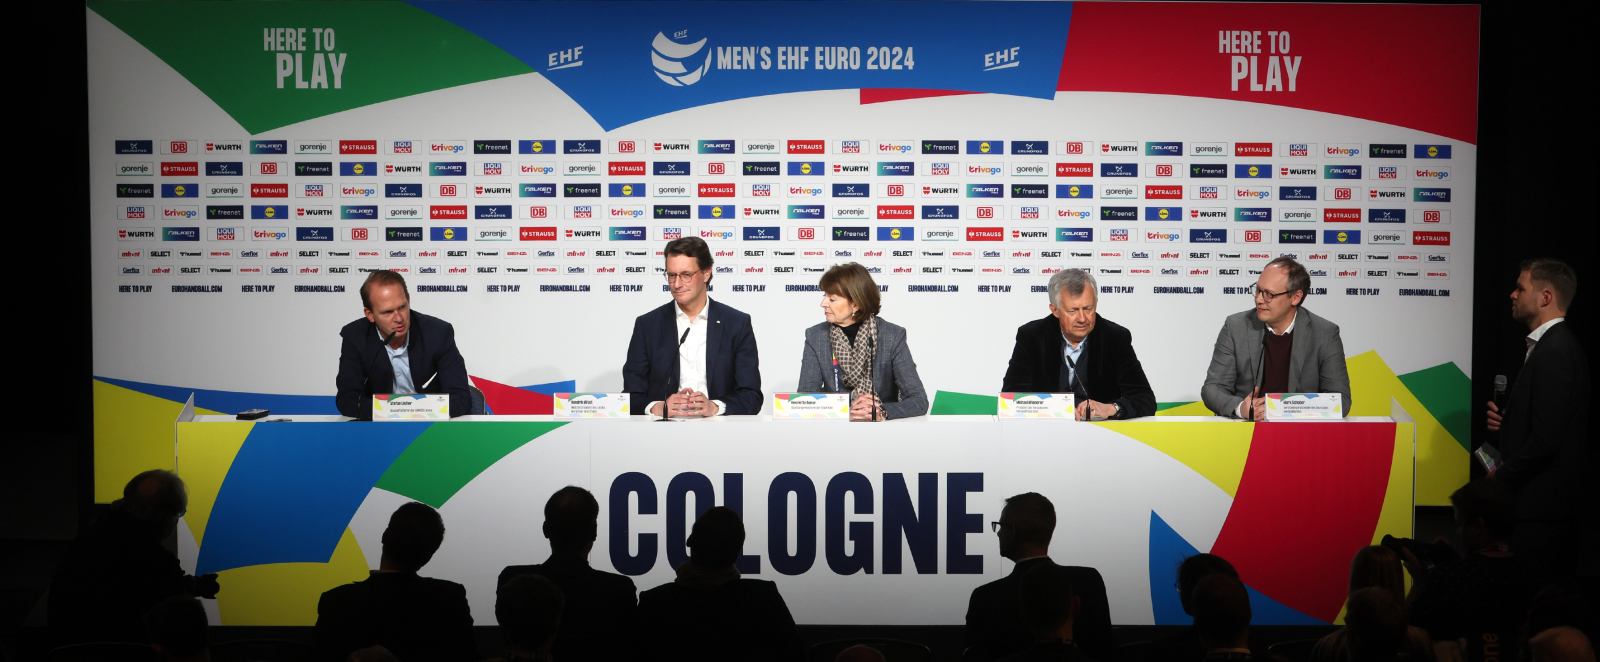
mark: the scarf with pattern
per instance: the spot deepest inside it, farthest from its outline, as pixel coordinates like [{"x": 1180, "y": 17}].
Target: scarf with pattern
[{"x": 855, "y": 359}]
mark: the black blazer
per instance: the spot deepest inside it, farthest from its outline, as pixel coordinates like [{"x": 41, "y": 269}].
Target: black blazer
[
  {"x": 733, "y": 369},
  {"x": 416, "y": 618},
  {"x": 994, "y": 622},
  {"x": 1544, "y": 437},
  {"x": 744, "y": 620},
  {"x": 597, "y": 620},
  {"x": 364, "y": 367},
  {"x": 1111, "y": 368}
]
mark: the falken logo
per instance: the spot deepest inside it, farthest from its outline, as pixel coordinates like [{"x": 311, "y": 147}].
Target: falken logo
[{"x": 669, "y": 57}]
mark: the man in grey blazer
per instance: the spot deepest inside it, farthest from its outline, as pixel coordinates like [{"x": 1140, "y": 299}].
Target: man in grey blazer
[
  {"x": 850, "y": 307},
  {"x": 1276, "y": 347}
]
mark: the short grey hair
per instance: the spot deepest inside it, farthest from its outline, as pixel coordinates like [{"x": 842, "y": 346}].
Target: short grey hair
[{"x": 1073, "y": 280}]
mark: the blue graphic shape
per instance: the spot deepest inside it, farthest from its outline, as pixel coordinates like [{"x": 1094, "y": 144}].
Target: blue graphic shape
[
  {"x": 552, "y": 388},
  {"x": 1167, "y": 552},
  {"x": 668, "y": 56},
  {"x": 292, "y": 490},
  {"x": 229, "y": 402}
]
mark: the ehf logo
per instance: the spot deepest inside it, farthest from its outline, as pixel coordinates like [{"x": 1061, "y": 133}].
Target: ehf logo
[{"x": 670, "y": 56}]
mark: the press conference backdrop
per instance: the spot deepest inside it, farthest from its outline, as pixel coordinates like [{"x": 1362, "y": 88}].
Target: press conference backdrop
[{"x": 523, "y": 165}]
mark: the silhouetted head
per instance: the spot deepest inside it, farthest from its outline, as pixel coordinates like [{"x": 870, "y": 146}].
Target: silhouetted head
[
  {"x": 717, "y": 538},
  {"x": 414, "y": 534},
  {"x": 155, "y": 498},
  {"x": 1026, "y": 525},
  {"x": 1378, "y": 567},
  {"x": 570, "y": 520}
]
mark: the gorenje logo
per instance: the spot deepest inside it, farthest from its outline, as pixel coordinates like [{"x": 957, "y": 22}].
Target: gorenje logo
[
  {"x": 676, "y": 63},
  {"x": 1377, "y": 151}
]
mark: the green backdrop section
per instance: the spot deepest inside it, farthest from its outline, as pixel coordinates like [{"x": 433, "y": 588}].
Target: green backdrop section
[
  {"x": 442, "y": 460},
  {"x": 390, "y": 50},
  {"x": 1447, "y": 393},
  {"x": 951, "y": 403}
]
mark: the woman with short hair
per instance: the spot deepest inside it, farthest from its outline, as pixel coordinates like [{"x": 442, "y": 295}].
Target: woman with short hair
[{"x": 855, "y": 351}]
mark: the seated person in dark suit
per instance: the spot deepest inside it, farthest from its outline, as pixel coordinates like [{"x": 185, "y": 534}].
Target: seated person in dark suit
[
  {"x": 692, "y": 356},
  {"x": 994, "y": 626},
  {"x": 1048, "y": 609},
  {"x": 416, "y": 618},
  {"x": 1075, "y": 350},
  {"x": 528, "y": 609},
  {"x": 597, "y": 621},
  {"x": 177, "y": 627},
  {"x": 1186, "y": 646},
  {"x": 118, "y": 569},
  {"x": 709, "y": 612},
  {"x": 395, "y": 349},
  {"x": 1222, "y": 617}
]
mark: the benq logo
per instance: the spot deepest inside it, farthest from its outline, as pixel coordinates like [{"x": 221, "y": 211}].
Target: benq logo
[{"x": 669, "y": 57}]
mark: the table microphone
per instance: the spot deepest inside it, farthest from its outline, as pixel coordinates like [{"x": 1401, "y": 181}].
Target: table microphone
[
  {"x": 367, "y": 370},
  {"x": 872, "y": 382},
  {"x": 677, "y": 367},
  {"x": 1261, "y": 370}
]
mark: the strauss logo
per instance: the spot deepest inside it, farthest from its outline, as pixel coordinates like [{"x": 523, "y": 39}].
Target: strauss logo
[{"x": 668, "y": 57}]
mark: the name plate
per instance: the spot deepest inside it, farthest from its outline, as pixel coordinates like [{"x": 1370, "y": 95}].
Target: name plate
[
  {"x": 1304, "y": 406},
  {"x": 1036, "y": 405},
  {"x": 811, "y": 405},
  {"x": 410, "y": 406},
  {"x": 591, "y": 405}
]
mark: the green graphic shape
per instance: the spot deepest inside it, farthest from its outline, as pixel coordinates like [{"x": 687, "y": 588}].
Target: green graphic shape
[
  {"x": 391, "y": 50},
  {"x": 442, "y": 460},
  {"x": 1446, "y": 392},
  {"x": 951, "y": 403},
  {"x": 1163, "y": 406}
]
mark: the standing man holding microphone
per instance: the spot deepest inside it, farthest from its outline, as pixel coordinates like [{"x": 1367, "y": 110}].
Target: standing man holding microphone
[
  {"x": 692, "y": 357},
  {"x": 1276, "y": 347}
]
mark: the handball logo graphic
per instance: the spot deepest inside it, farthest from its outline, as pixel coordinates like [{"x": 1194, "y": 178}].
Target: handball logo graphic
[{"x": 670, "y": 57}]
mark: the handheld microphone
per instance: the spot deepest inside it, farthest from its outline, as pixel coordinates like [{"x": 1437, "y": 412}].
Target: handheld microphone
[
  {"x": 677, "y": 368},
  {"x": 1500, "y": 393}
]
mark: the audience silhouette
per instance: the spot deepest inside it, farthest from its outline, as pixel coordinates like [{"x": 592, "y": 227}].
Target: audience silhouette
[
  {"x": 529, "y": 610},
  {"x": 178, "y": 630}
]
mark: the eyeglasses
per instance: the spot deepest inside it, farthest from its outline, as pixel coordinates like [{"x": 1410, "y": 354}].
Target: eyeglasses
[
  {"x": 996, "y": 525},
  {"x": 685, "y": 276},
  {"x": 1255, "y": 290}
]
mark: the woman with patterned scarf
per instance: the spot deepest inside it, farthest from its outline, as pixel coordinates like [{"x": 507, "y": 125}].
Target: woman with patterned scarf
[{"x": 855, "y": 351}]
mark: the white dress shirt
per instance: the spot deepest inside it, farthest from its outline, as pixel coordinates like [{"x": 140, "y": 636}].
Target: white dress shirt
[
  {"x": 1241, "y": 410},
  {"x": 1071, "y": 355},
  {"x": 400, "y": 360},
  {"x": 692, "y": 354},
  {"x": 1533, "y": 338}
]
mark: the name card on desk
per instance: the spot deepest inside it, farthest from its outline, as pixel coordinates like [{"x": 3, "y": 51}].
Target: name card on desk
[
  {"x": 811, "y": 405},
  {"x": 410, "y": 407},
  {"x": 591, "y": 405},
  {"x": 1304, "y": 406},
  {"x": 1036, "y": 405}
]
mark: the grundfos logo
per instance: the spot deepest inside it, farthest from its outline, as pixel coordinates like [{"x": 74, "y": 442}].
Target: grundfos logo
[{"x": 669, "y": 58}]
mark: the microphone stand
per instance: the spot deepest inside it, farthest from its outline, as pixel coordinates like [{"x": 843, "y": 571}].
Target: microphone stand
[
  {"x": 872, "y": 371},
  {"x": 677, "y": 369},
  {"x": 1261, "y": 370}
]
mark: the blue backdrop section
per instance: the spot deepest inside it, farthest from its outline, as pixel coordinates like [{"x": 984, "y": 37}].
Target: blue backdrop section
[
  {"x": 230, "y": 402},
  {"x": 552, "y": 388},
  {"x": 643, "y": 59},
  {"x": 293, "y": 489},
  {"x": 1167, "y": 551}
]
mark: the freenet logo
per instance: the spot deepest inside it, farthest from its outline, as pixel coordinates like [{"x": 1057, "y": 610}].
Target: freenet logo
[
  {"x": 767, "y": 169},
  {"x": 1378, "y": 151},
  {"x": 491, "y": 147},
  {"x": 587, "y": 190},
  {"x": 1030, "y": 190},
  {"x": 939, "y": 147},
  {"x": 1297, "y": 236},
  {"x": 1208, "y": 170},
  {"x": 842, "y": 233}
]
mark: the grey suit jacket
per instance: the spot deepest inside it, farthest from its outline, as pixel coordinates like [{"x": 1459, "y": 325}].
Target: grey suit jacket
[
  {"x": 1316, "y": 361},
  {"x": 894, "y": 372}
]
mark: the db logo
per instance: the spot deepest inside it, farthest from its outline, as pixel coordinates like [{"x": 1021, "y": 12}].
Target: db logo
[
  {"x": 269, "y": 168},
  {"x": 625, "y": 146},
  {"x": 1252, "y": 235},
  {"x": 896, "y": 190},
  {"x": 808, "y": 233},
  {"x": 358, "y": 234},
  {"x": 1074, "y": 148},
  {"x": 179, "y": 147},
  {"x": 447, "y": 189},
  {"x": 715, "y": 169},
  {"x": 986, "y": 212},
  {"x": 1163, "y": 171},
  {"x": 1341, "y": 194},
  {"x": 536, "y": 212},
  {"x": 1430, "y": 217}
]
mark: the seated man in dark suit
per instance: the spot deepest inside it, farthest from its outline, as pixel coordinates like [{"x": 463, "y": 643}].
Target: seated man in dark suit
[
  {"x": 118, "y": 569},
  {"x": 1048, "y": 608},
  {"x": 416, "y": 618},
  {"x": 528, "y": 609},
  {"x": 395, "y": 349},
  {"x": 1075, "y": 350},
  {"x": 994, "y": 625},
  {"x": 1185, "y": 646},
  {"x": 692, "y": 356},
  {"x": 709, "y": 613},
  {"x": 597, "y": 622},
  {"x": 1222, "y": 617}
]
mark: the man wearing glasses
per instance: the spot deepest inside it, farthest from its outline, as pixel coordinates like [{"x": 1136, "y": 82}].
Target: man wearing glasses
[
  {"x": 1278, "y": 347},
  {"x": 692, "y": 357}
]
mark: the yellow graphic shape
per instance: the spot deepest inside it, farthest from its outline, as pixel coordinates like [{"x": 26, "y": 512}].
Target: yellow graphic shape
[
  {"x": 1217, "y": 452},
  {"x": 287, "y": 593},
  {"x": 206, "y": 451},
  {"x": 1442, "y": 464},
  {"x": 132, "y": 433}
]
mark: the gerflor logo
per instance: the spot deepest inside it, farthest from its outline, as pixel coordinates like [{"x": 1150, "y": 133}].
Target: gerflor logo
[{"x": 670, "y": 57}]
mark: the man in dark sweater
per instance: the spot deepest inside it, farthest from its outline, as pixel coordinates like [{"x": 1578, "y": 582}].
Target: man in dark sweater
[
  {"x": 415, "y": 618},
  {"x": 709, "y": 613},
  {"x": 598, "y": 619},
  {"x": 119, "y": 568}
]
